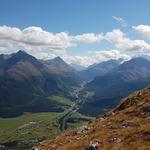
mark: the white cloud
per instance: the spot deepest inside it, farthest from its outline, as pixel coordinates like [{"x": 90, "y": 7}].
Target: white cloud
[
  {"x": 88, "y": 38},
  {"x": 10, "y": 33},
  {"x": 108, "y": 54},
  {"x": 82, "y": 60},
  {"x": 96, "y": 57},
  {"x": 45, "y": 55},
  {"x": 144, "y": 30},
  {"x": 47, "y": 45},
  {"x": 31, "y": 38},
  {"x": 119, "y": 39},
  {"x": 114, "y": 36},
  {"x": 43, "y": 44},
  {"x": 34, "y": 36},
  {"x": 120, "y": 20}
]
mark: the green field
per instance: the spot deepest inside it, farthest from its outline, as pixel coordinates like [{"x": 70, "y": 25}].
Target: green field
[
  {"x": 60, "y": 100},
  {"x": 31, "y": 128}
]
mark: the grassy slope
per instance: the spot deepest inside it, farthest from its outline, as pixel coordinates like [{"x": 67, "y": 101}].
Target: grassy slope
[{"x": 125, "y": 128}]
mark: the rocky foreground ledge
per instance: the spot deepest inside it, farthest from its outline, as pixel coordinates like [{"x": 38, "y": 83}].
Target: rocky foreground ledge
[{"x": 127, "y": 127}]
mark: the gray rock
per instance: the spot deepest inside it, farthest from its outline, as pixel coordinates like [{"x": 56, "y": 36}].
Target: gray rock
[
  {"x": 94, "y": 145},
  {"x": 82, "y": 129},
  {"x": 2, "y": 147}
]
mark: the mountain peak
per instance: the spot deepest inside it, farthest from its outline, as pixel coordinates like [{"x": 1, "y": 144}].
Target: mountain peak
[
  {"x": 58, "y": 59},
  {"x": 58, "y": 65},
  {"x": 21, "y": 52},
  {"x": 99, "y": 69},
  {"x": 14, "y": 58},
  {"x": 18, "y": 53},
  {"x": 136, "y": 62},
  {"x": 139, "y": 59}
]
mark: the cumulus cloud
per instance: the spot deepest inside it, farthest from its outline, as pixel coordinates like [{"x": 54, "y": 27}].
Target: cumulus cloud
[
  {"x": 82, "y": 60},
  {"x": 120, "y": 20},
  {"x": 36, "y": 37},
  {"x": 47, "y": 45},
  {"x": 119, "y": 39},
  {"x": 96, "y": 57},
  {"x": 144, "y": 30},
  {"x": 109, "y": 54},
  {"x": 45, "y": 55},
  {"x": 10, "y": 33},
  {"x": 88, "y": 38},
  {"x": 114, "y": 36}
]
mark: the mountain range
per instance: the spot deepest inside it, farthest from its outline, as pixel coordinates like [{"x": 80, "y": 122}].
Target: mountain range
[
  {"x": 116, "y": 84},
  {"x": 29, "y": 85},
  {"x": 99, "y": 69},
  {"x": 25, "y": 83}
]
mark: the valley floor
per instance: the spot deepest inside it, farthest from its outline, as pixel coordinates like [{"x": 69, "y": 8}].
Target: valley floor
[{"x": 24, "y": 131}]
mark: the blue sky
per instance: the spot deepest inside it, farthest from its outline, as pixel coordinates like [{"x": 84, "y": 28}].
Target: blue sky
[{"x": 75, "y": 18}]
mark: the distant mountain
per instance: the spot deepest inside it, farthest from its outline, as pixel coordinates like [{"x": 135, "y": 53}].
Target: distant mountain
[
  {"x": 146, "y": 56},
  {"x": 116, "y": 84},
  {"x": 99, "y": 69},
  {"x": 78, "y": 67},
  {"x": 126, "y": 127},
  {"x": 59, "y": 67},
  {"x": 25, "y": 83}
]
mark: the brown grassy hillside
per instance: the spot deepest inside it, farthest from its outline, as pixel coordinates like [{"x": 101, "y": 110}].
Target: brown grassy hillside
[{"x": 127, "y": 127}]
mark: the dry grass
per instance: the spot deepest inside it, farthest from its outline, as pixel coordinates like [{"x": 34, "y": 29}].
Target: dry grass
[{"x": 125, "y": 128}]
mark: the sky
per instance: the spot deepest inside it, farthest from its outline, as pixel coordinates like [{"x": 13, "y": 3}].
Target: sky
[{"x": 80, "y": 31}]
